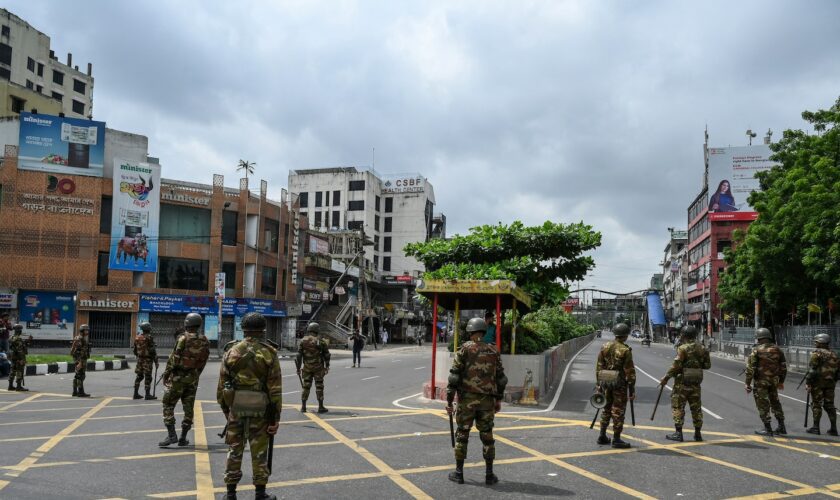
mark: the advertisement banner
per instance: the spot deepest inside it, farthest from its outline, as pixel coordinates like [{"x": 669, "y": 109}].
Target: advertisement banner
[
  {"x": 135, "y": 216},
  {"x": 211, "y": 327},
  {"x": 8, "y": 298},
  {"x": 202, "y": 304},
  {"x": 62, "y": 145},
  {"x": 317, "y": 245},
  {"x": 732, "y": 178},
  {"x": 47, "y": 315}
]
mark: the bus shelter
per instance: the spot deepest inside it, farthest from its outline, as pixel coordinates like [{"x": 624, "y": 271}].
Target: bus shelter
[{"x": 458, "y": 295}]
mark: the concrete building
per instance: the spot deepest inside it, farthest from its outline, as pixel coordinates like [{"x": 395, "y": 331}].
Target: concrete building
[
  {"x": 15, "y": 98},
  {"x": 674, "y": 271},
  {"x": 26, "y": 59}
]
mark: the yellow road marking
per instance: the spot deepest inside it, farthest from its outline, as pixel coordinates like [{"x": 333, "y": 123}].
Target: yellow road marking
[
  {"x": 203, "y": 477},
  {"x": 94, "y": 418},
  {"x": 778, "y": 494},
  {"x": 22, "y": 401},
  {"x": 400, "y": 481},
  {"x": 794, "y": 448}
]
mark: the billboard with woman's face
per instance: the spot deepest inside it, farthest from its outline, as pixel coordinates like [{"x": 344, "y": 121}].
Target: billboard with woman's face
[{"x": 732, "y": 178}]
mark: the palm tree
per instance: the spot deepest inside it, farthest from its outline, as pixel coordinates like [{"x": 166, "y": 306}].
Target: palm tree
[{"x": 247, "y": 166}]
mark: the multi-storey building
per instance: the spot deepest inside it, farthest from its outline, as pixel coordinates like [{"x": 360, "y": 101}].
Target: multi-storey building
[
  {"x": 674, "y": 270},
  {"x": 26, "y": 59}
]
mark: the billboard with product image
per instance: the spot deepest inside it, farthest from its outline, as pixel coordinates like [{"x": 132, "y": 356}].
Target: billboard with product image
[
  {"x": 135, "y": 216},
  {"x": 732, "y": 178},
  {"x": 47, "y": 315},
  {"x": 62, "y": 145}
]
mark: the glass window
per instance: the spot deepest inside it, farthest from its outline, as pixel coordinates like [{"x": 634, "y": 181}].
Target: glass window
[
  {"x": 355, "y": 225},
  {"x": 230, "y": 225},
  {"x": 269, "y": 281},
  {"x": 30, "y": 85},
  {"x": 78, "y": 107},
  {"x": 57, "y": 96},
  {"x": 40, "y": 69},
  {"x": 30, "y": 64},
  {"x": 58, "y": 77},
  {"x": 39, "y": 88},
  {"x": 326, "y": 198},
  {"x": 319, "y": 199},
  {"x": 389, "y": 204},
  {"x": 388, "y": 224},
  {"x": 336, "y": 222},
  {"x": 5, "y": 54},
  {"x": 184, "y": 223},
  {"x": 105, "y": 215},
  {"x": 272, "y": 235},
  {"x": 376, "y": 222},
  {"x": 17, "y": 103},
  {"x": 283, "y": 285},
  {"x": 357, "y": 186},
  {"x": 303, "y": 198},
  {"x": 356, "y": 205},
  {"x": 377, "y": 203},
  {"x": 6, "y": 31},
  {"x": 386, "y": 263},
  {"x": 102, "y": 269},
  {"x": 318, "y": 218},
  {"x": 376, "y": 263},
  {"x": 79, "y": 86},
  {"x": 229, "y": 268},
  {"x": 386, "y": 244},
  {"x": 182, "y": 274},
  {"x": 286, "y": 241},
  {"x": 336, "y": 198},
  {"x": 5, "y": 74}
]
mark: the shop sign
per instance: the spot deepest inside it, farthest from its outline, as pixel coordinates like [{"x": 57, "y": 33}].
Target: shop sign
[
  {"x": 184, "y": 198},
  {"x": 399, "y": 280},
  {"x": 93, "y": 301},
  {"x": 307, "y": 308},
  {"x": 294, "y": 310},
  {"x": 56, "y": 204},
  {"x": 8, "y": 298},
  {"x": 317, "y": 245},
  {"x": 339, "y": 290},
  {"x": 396, "y": 185},
  {"x": 295, "y": 246},
  {"x": 309, "y": 284},
  {"x": 203, "y": 304},
  {"x": 313, "y": 296},
  {"x": 47, "y": 315}
]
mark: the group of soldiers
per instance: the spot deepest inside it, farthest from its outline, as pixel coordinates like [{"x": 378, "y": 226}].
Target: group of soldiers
[
  {"x": 765, "y": 370},
  {"x": 19, "y": 349}
]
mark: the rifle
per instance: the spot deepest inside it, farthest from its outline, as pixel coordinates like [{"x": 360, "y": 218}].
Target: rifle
[
  {"x": 224, "y": 430},
  {"x": 154, "y": 389},
  {"x": 272, "y": 419},
  {"x": 592, "y": 425},
  {"x": 801, "y": 381},
  {"x": 807, "y": 405},
  {"x": 655, "y": 406},
  {"x": 632, "y": 413},
  {"x": 452, "y": 430},
  {"x": 741, "y": 372}
]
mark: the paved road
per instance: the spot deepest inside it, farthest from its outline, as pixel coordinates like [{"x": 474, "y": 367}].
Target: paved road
[{"x": 380, "y": 440}]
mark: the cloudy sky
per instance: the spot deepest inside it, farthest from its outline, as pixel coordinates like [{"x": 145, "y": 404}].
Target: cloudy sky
[{"x": 560, "y": 110}]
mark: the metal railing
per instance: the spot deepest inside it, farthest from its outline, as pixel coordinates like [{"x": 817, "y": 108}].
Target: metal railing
[{"x": 795, "y": 336}]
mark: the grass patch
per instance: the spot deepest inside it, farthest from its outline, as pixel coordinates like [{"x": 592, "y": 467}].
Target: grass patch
[{"x": 36, "y": 359}]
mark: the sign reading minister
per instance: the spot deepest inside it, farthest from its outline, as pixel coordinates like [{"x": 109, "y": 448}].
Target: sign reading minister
[{"x": 135, "y": 217}]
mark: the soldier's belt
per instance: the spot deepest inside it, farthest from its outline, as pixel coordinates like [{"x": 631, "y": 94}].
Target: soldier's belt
[
  {"x": 692, "y": 376},
  {"x": 608, "y": 378}
]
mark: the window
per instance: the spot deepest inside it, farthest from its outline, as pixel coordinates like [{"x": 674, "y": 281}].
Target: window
[
  {"x": 388, "y": 224},
  {"x": 30, "y": 85},
  {"x": 319, "y": 199},
  {"x": 377, "y": 203},
  {"x": 102, "y": 269},
  {"x": 78, "y": 107},
  {"x": 386, "y": 263},
  {"x": 326, "y": 198},
  {"x": 17, "y": 104},
  {"x": 376, "y": 263},
  {"x": 336, "y": 198},
  {"x": 58, "y": 77},
  {"x": 355, "y": 225},
  {"x": 285, "y": 241},
  {"x": 182, "y": 274},
  {"x": 39, "y": 88},
  {"x": 318, "y": 218},
  {"x": 356, "y": 205},
  {"x": 376, "y": 243},
  {"x": 79, "y": 86},
  {"x": 336, "y": 222},
  {"x": 184, "y": 223},
  {"x": 30, "y": 64},
  {"x": 105, "y": 215},
  {"x": 269, "y": 281},
  {"x": 229, "y": 268},
  {"x": 272, "y": 235},
  {"x": 5, "y": 74},
  {"x": 6, "y": 31},
  {"x": 57, "y": 96},
  {"x": 303, "y": 198},
  {"x": 40, "y": 69},
  {"x": 5, "y": 54},
  {"x": 389, "y": 205},
  {"x": 376, "y": 222},
  {"x": 230, "y": 225},
  {"x": 326, "y": 218},
  {"x": 357, "y": 186},
  {"x": 386, "y": 244},
  {"x": 283, "y": 285}
]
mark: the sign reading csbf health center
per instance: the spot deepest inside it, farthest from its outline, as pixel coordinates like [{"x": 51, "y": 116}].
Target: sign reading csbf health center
[
  {"x": 135, "y": 217},
  {"x": 60, "y": 144}
]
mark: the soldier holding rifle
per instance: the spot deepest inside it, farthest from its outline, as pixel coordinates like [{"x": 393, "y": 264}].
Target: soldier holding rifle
[
  {"x": 823, "y": 372},
  {"x": 616, "y": 376}
]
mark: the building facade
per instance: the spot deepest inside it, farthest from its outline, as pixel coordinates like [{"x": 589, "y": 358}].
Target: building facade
[
  {"x": 27, "y": 60},
  {"x": 674, "y": 272}
]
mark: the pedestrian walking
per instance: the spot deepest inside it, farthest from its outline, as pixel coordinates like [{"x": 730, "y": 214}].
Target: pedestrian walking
[
  {"x": 183, "y": 369},
  {"x": 687, "y": 371},
  {"x": 822, "y": 376},
  {"x": 478, "y": 379},
  {"x": 765, "y": 376},
  {"x": 250, "y": 392},
  {"x": 5, "y": 332},
  {"x": 18, "y": 349},
  {"x": 313, "y": 363},
  {"x": 80, "y": 350},
  {"x": 146, "y": 352},
  {"x": 615, "y": 374},
  {"x": 358, "y": 345}
]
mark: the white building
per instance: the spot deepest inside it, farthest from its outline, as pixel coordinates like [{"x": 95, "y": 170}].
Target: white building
[
  {"x": 675, "y": 277},
  {"x": 27, "y": 60},
  {"x": 391, "y": 210}
]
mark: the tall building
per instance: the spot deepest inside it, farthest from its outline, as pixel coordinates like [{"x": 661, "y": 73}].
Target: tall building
[
  {"x": 674, "y": 271},
  {"x": 26, "y": 59},
  {"x": 390, "y": 211}
]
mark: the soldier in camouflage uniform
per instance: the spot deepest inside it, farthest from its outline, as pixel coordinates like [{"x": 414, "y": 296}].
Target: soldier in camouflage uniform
[
  {"x": 766, "y": 371},
  {"x": 479, "y": 380},
  {"x": 250, "y": 393},
  {"x": 823, "y": 372},
  {"x": 18, "y": 349},
  {"x": 616, "y": 376},
  {"x": 313, "y": 361},
  {"x": 146, "y": 352},
  {"x": 687, "y": 370},
  {"x": 180, "y": 378},
  {"x": 80, "y": 350}
]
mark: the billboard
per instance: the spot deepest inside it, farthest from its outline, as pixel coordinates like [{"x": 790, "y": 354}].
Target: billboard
[
  {"x": 60, "y": 144},
  {"x": 135, "y": 216},
  {"x": 317, "y": 245},
  {"x": 204, "y": 304},
  {"x": 47, "y": 315},
  {"x": 398, "y": 184},
  {"x": 732, "y": 178}
]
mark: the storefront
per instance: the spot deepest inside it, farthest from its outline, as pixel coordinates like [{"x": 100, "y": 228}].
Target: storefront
[{"x": 109, "y": 316}]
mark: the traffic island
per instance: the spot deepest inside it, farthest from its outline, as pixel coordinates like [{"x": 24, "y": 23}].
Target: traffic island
[{"x": 69, "y": 367}]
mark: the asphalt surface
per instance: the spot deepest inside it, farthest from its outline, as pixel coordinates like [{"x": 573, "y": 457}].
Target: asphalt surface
[{"x": 381, "y": 440}]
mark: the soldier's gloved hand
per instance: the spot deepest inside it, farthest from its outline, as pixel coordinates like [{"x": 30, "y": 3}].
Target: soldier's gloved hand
[
  {"x": 748, "y": 388},
  {"x": 272, "y": 429},
  {"x": 631, "y": 393},
  {"x": 298, "y": 372},
  {"x": 664, "y": 381},
  {"x": 450, "y": 409},
  {"x": 808, "y": 387},
  {"x": 498, "y": 406}
]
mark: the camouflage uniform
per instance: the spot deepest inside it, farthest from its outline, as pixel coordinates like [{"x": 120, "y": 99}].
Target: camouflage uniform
[
  {"x": 146, "y": 352},
  {"x": 823, "y": 372},
  {"x": 18, "y": 349},
  {"x": 80, "y": 350},
  {"x": 183, "y": 370},
  {"x": 250, "y": 364},
  {"x": 766, "y": 369},
  {"x": 313, "y": 361},
  {"x": 690, "y": 354},
  {"x": 615, "y": 355}
]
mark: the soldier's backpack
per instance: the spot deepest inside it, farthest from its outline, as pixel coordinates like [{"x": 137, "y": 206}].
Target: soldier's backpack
[
  {"x": 141, "y": 346},
  {"x": 693, "y": 374},
  {"x": 196, "y": 351}
]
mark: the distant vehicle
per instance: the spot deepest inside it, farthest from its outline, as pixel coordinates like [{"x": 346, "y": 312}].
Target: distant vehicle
[{"x": 636, "y": 334}]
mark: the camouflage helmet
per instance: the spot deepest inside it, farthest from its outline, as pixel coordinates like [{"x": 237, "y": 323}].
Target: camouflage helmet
[
  {"x": 762, "y": 334},
  {"x": 146, "y": 327},
  {"x": 84, "y": 328},
  {"x": 18, "y": 327},
  {"x": 689, "y": 331},
  {"x": 313, "y": 327},
  {"x": 621, "y": 330},
  {"x": 253, "y": 322},
  {"x": 476, "y": 325},
  {"x": 193, "y": 320},
  {"x": 822, "y": 338}
]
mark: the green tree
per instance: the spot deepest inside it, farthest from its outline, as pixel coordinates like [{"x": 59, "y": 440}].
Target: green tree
[{"x": 793, "y": 248}]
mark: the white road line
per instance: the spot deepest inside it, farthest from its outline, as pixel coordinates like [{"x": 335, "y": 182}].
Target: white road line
[
  {"x": 420, "y": 367},
  {"x": 290, "y": 392},
  {"x": 395, "y": 360},
  {"x": 371, "y": 378},
  {"x": 397, "y": 402},
  {"x": 742, "y": 384},
  {"x": 713, "y": 414}
]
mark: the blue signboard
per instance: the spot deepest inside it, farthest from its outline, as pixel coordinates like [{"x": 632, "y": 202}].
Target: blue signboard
[
  {"x": 203, "y": 304},
  {"x": 47, "y": 315},
  {"x": 62, "y": 145}
]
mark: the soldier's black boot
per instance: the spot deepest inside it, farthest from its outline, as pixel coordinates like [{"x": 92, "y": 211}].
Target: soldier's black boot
[
  {"x": 231, "y": 492},
  {"x": 184, "y": 430},
  {"x": 832, "y": 431},
  {"x": 676, "y": 436},
  {"x": 20, "y": 386},
  {"x": 489, "y": 477},
  {"x": 11, "y": 383},
  {"x": 262, "y": 495},
  {"x": 602, "y": 438},
  {"x": 149, "y": 397},
  {"x": 137, "y": 392},
  {"x": 321, "y": 408},
  {"x": 780, "y": 429},
  {"x": 619, "y": 443},
  {"x": 82, "y": 393},
  {"x": 457, "y": 475},
  {"x": 303, "y": 407},
  {"x": 767, "y": 431},
  {"x": 698, "y": 436},
  {"x": 815, "y": 429},
  {"x": 171, "y": 437},
  {"x": 75, "y": 388}
]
